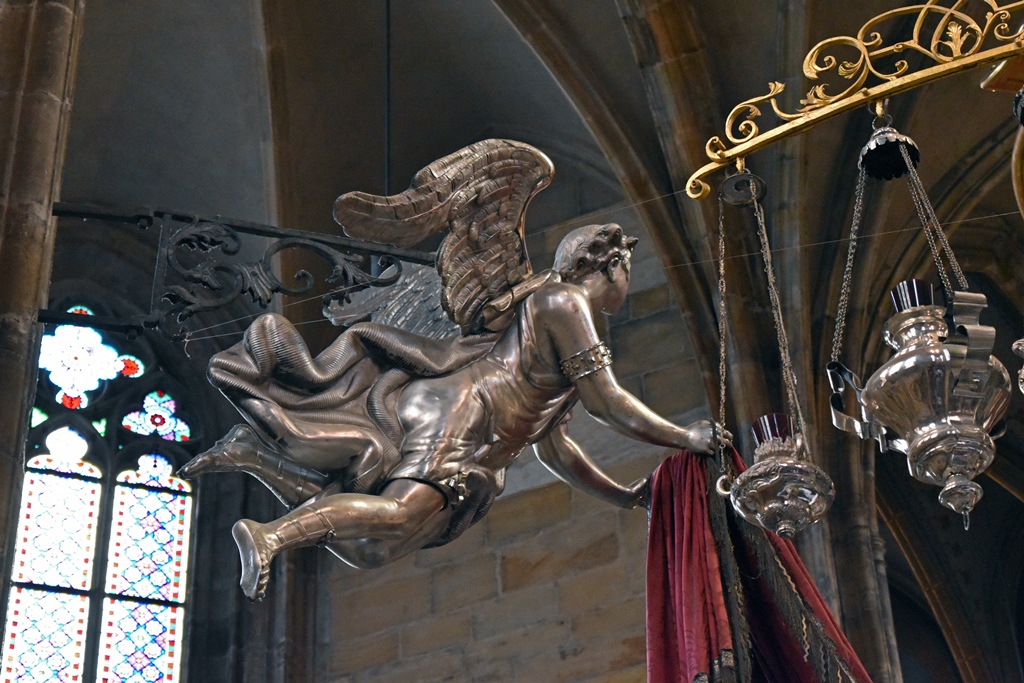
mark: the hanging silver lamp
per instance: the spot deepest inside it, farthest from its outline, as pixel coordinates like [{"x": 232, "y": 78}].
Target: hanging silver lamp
[
  {"x": 782, "y": 492},
  {"x": 940, "y": 393},
  {"x": 941, "y": 396}
]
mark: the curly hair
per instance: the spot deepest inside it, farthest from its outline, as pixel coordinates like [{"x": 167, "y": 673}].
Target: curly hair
[{"x": 590, "y": 249}]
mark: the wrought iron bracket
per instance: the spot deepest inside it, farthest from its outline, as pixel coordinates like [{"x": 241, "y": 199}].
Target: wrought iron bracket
[
  {"x": 195, "y": 269},
  {"x": 943, "y": 35}
]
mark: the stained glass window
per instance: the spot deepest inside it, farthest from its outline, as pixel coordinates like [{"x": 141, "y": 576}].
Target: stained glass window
[
  {"x": 46, "y": 634},
  {"x": 141, "y": 642},
  {"x": 100, "y": 533},
  {"x": 149, "y": 542},
  {"x": 38, "y": 417},
  {"x": 157, "y": 415},
  {"x": 77, "y": 360}
]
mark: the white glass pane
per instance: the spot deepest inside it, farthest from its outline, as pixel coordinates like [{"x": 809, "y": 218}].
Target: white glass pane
[
  {"x": 140, "y": 643},
  {"x": 45, "y": 636},
  {"x": 148, "y": 553},
  {"x": 57, "y": 534}
]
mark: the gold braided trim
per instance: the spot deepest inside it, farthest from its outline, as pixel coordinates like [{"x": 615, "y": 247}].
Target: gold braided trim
[{"x": 587, "y": 362}]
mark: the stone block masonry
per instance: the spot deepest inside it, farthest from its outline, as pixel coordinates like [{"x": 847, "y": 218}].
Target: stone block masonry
[{"x": 549, "y": 588}]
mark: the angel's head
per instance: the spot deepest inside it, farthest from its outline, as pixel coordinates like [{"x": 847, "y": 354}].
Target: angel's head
[
  {"x": 594, "y": 249},
  {"x": 597, "y": 258}
]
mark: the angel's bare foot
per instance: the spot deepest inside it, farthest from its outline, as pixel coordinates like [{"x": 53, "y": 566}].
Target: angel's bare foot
[
  {"x": 255, "y": 556},
  {"x": 236, "y": 450}
]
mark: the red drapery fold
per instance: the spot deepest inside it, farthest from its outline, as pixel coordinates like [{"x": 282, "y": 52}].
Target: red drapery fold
[{"x": 727, "y": 601}]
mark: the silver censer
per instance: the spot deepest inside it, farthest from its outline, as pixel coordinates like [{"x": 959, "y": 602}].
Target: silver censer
[
  {"x": 782, "y": 492},
  {"x": 941, "y": 395}
]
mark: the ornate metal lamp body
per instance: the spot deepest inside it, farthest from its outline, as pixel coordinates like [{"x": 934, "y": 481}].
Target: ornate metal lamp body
[
  {"x": 1018, "y": 348},
  {"x": 782, "y": 492},
  {"x": 941, "y": 394}
]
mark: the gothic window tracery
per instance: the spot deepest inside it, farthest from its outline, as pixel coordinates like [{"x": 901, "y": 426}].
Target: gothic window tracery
[{"x": 99, "y": 585}]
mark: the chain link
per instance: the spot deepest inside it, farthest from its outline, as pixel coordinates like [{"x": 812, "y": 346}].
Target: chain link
[
  {"x": 844, "y": 292},
  {"x": 788, "y": 376},
  {"x": 721, "y": 322},
  {"x": 932, "y": 229}
]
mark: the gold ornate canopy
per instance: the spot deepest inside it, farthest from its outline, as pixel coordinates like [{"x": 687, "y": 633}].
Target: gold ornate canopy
[{"x": 945, "y": 38}]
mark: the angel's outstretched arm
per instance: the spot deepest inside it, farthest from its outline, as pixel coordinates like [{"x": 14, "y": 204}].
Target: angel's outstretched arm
[
  {"x": 571, "y": 328},
  {"x": 571, "y": 464}
]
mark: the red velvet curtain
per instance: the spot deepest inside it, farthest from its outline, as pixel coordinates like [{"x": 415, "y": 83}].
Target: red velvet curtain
[{"x": 727, "y": 601}]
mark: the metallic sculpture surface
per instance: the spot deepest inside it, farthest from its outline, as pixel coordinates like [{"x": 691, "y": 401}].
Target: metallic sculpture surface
[
  {"x": 782, "y": 492},
  {"x": 1018, "y": 348},
  {"x": 390, "y": 441}
]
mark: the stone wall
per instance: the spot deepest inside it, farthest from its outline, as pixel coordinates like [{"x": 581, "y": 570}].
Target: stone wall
[{"x": 548, "y": 587}]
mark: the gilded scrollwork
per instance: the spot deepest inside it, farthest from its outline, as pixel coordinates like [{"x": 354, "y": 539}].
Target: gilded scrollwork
[{"x": 943, "y": 35}]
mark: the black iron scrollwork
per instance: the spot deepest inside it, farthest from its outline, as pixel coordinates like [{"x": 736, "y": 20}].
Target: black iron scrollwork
[{"x": 197, "y": 268}]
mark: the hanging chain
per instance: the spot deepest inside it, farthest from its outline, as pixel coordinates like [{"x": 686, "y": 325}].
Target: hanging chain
[
  {"x": 788, "y": 376},
  {"x": 721, "y": 322},
  {"x": 844, "y": 292},
  {"x": 932, "y": 229}
]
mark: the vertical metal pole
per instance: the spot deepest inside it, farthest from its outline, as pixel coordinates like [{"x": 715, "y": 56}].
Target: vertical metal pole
[{"x": 375, "y": 269}]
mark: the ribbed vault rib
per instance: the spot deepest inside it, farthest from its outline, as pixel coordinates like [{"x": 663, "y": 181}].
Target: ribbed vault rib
[
  {"x": 675, "y": 64},
  {"x": 540, "y": 27}
]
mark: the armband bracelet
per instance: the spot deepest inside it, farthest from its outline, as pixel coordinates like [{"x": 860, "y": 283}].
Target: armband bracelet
[{"x": 587, "y": 362}]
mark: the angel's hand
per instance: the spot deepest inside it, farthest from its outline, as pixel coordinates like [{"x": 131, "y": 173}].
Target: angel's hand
[
  {"x": 707, "y": 436},
  {"x": 641, "y": 490}
]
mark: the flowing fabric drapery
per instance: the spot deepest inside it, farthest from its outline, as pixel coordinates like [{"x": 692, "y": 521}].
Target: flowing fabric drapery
[{"x": 727, "y": 601}]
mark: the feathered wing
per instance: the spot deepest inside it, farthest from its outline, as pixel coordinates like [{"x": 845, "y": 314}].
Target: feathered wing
[
  {"x": 479, "y": 194},
  {"x": 413, "y": 303}
]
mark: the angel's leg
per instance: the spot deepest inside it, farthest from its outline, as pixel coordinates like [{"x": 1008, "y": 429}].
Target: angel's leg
[
  {"x": 322, "y": 446},
  {"x": 242, "y": 451},
  {"x": 407, "y": 512}
]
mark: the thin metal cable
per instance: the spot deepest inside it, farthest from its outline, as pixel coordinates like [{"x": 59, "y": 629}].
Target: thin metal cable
[
  {"x": 788, "y": 376},
  {"x": 340, "y": 290},
  {"x": 822, "y": 243},
  {"x": 844, "y": 292}
]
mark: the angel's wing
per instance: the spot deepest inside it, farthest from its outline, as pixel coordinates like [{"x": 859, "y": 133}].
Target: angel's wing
[
  {"x": 480, "y": 195},
  {"x": 412, "y": 303}
]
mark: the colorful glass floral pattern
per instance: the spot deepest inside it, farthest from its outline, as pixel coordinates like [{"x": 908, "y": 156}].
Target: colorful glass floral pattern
[
  {"x": 140, "y": 642},
  {"x": 157, "y": 415},
  {"x": 77, "y": 361},
  {"x": 45, "y": 638}
]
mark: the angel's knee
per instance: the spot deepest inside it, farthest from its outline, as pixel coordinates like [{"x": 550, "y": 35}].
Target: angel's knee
[{"x": 364, "y": 553}]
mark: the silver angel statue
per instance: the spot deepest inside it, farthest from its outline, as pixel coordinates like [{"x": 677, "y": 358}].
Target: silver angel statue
[{"x": 390, "y": 440}]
